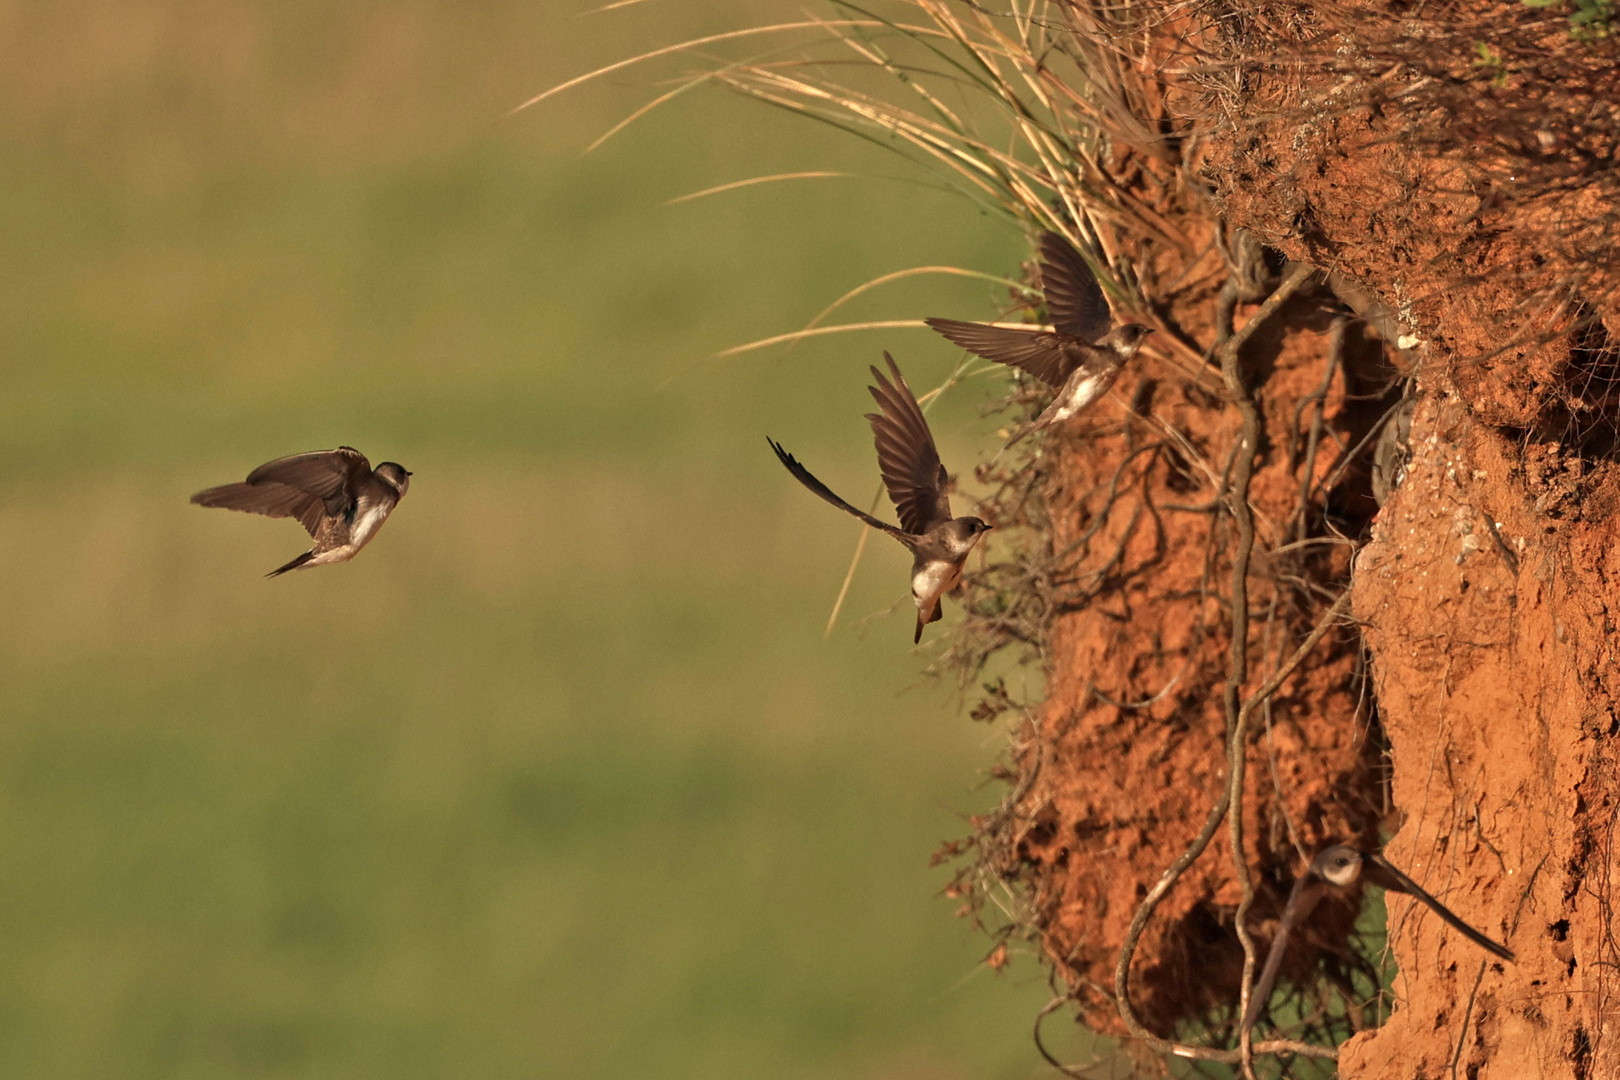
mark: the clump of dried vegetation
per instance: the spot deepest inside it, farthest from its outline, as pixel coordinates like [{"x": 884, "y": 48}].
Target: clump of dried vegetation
[
  {"x": 1461, "y": 157},
  {"x": 1179, "y": 563}
]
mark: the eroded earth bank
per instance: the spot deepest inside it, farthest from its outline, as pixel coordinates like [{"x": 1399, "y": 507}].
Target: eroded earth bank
[{"x": 1406, "y": 480}]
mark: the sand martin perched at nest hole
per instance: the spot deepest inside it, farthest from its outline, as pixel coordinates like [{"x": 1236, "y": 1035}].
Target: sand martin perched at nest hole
[{"x": 1339, "y": 867}]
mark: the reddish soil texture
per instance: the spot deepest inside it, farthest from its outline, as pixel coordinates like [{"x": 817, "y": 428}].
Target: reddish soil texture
[
  {"x": 1380, "y": 136},
  {"x": 1132, "y": 738},
  {"x": 1487, "y": 587},
  {"x": 1490, "y": 622},
  {"x": 1482, "y": 202}
]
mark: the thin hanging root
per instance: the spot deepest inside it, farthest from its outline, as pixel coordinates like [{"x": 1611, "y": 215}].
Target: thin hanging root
[{"x": 1168, "y": 879}]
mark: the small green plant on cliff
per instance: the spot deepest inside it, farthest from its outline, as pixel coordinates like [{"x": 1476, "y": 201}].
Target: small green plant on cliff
[
  {"x": 1491, "y": 58},
  {"x": 1588, "y": 19}
]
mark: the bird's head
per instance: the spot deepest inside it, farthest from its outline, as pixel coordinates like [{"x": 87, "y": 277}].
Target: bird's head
[
  {"x": 1125, "y": 339},
  {"x": 1338, "y": 865},
  {"x": 395, "y": 476},
  {"x": 964, "y": 532}
]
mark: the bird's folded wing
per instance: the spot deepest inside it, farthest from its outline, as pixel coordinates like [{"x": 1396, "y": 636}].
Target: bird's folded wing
[
  {"x": 1039, "y": 352},
  {"x": 330, "y": 475},
  {"x": 1301, "y": 899},
  {"x": 906, "y": 454},
  {"x": 1074, "y": 300}
]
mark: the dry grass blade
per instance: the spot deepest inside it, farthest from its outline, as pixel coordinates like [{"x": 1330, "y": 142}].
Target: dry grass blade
[
  {"x": 685, "y": 46},
  {"x": 737, "y": 185},
  {"x": 900, "y": 275},
  {"x": 977, "y": 160},
  {"x": 661, "y": 99},
  {"x": 611, "y": 7},
  {"x": 799, "y": 335},
  {"x": 854, "y": 561}
]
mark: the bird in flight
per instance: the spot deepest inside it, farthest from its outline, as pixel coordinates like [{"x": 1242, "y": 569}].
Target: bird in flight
[
  {"x": 939, "y": 543},
  {"x": 335, "y": 494},
  {"x": 1080, "y": 358},
  {"x": 1338, "y": 867}
]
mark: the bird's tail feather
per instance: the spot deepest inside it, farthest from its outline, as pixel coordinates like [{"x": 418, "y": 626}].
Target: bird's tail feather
[
  {"x": 295, "y": 564},
  {"x": 939, "y": 613},
  {"x": 1402, "y": 883}
]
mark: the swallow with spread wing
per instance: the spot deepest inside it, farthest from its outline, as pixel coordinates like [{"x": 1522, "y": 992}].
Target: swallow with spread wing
[
  {"x": 1079, "y": 358},
  {"x": 1339, "y": 867},
  {"x": 917, "y": 482},
  {"x": 335, "y": 494}
]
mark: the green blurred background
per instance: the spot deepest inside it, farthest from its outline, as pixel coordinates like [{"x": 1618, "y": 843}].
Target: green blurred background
[{"x": 559, "y": 779}]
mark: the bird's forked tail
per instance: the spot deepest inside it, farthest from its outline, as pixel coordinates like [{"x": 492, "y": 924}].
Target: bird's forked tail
[{"x": 295, "y": 564}]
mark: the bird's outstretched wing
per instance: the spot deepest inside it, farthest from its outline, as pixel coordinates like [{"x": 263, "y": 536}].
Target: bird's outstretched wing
[
  {"x": 1073, "y": 298},
  {"x": 271, "y": 500},
  {"x": 1382, "y": 873},
  {"x": 303, "y": 486},
  {"x": 906, "y": 454},
  {"x": 803, "y": 476},
  {"x": 1039, "y": 352}
]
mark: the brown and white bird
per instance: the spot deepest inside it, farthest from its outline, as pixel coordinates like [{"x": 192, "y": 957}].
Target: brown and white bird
[
  {"x": 1079, "y": 358},
  {"x": 939, "y": 543},
  {"x": 335, "y": 494},
  {"x": 1338, "y": 867}
]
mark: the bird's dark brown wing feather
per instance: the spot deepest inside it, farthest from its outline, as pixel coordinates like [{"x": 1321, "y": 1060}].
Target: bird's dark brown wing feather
[
  {"x": 332, "y": 476},
  {"x": 303, "y": 486},
  {"x": 1039, "y": 352},
  {"x": 1382, "y": 873},
  {"x": 1306, "y": 893},
  {"x": 271, "y": 500},
  {"x": 803, "y": 476},
  {"x": 1073, "y": 298},
  {"x": 906, "y": 455}
]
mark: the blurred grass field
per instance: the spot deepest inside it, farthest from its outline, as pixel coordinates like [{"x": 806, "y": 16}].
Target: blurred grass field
[{"x": 559, "y": 778}]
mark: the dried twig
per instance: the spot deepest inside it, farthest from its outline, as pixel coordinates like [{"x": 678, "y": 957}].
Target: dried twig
[{"x": 1168, "y": 879}]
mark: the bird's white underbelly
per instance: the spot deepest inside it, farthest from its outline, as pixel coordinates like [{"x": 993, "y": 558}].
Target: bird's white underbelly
[
  {"x": 366, "y": 523},
  {"x": 934, "y": 581},
  {"x": 1081, "y": 394}
]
